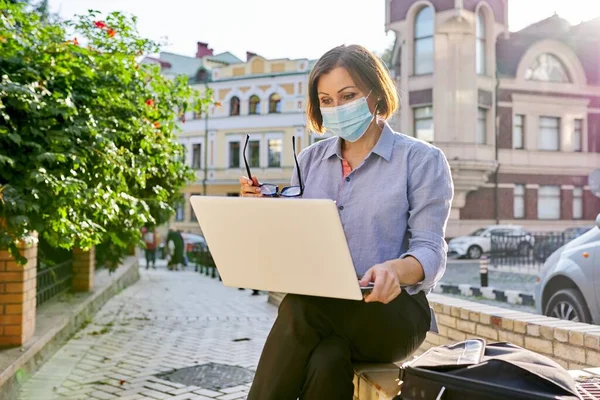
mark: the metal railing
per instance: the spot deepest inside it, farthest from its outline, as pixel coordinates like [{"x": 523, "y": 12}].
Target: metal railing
[
  {"x": 53, "y": 280},
  {"x": 528, "y": 250}
]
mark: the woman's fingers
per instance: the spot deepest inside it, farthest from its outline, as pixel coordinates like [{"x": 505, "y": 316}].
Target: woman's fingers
[{"x": 249, "y": 187}]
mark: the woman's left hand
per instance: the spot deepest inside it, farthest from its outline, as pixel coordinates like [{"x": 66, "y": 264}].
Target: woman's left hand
[{"x": 386, "y": 285}]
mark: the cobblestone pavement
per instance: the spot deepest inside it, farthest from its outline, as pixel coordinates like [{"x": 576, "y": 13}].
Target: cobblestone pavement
[
  {"x": 168, "y": 320},
  {"x": 468, "y": 272}
]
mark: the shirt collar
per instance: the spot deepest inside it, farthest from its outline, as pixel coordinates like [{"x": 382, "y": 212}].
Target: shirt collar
[{"x": 383, "y": 148}]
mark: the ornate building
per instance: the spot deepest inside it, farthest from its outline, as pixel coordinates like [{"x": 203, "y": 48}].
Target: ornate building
[
  {"x": 258, "y": 97},
  {"x": 516, "y": 113}
]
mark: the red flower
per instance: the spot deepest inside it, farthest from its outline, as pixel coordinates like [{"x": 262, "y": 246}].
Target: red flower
[
  {"x": 157, "y": 124},
  {"x": 218, "y": 104},
  {"x": 111, "y": 32},
  {"x": 100, "y": 24},
  {"x": 149, "y": 102},
  {"x": 76, "y": 42}
]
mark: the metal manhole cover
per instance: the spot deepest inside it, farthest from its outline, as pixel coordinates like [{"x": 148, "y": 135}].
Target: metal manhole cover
[{"x": 210, "y": 376}]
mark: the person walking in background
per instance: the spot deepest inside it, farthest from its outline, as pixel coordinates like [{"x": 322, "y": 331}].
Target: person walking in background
[
  {"x": 176, "y": 249},
  {"x": 151, "y": 241}
]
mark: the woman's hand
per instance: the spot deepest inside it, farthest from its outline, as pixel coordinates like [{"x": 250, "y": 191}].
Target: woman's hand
[
  {"x": 249, "y": 188},
  {"x": 386, "y": 285}
]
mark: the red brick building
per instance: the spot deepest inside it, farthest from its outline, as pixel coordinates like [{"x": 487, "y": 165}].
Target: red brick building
[{"x": 517, "y": 113}]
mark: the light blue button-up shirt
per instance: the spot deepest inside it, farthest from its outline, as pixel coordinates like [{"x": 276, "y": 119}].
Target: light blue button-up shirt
[{"x": 395, "y": 204}]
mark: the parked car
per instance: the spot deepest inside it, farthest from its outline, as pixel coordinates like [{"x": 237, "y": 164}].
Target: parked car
[
  {"x": 473, "y": 246},
  {"x": 548, "y": 244},
  {"x": 569, "y": 283}
]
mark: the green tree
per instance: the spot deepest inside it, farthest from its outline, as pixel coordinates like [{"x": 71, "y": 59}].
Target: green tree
[{"x": 88, "y": 152}]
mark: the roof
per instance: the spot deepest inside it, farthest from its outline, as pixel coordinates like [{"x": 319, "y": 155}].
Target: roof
[
  {"x": 583, "y": 39},
  {"x": 227, "y": 58},
  {"x": 552, "y": 26}
]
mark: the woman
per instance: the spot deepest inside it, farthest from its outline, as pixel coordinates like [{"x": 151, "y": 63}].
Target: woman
[{"x": 393, "y": 194}]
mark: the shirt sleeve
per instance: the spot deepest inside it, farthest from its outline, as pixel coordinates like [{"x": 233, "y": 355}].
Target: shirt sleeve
[{"x": 430, "y": 193}]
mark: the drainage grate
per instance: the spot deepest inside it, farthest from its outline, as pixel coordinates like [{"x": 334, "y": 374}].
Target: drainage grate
[
  {"x": 589, "y": 389},
  {"x": 210, "y": 376}
]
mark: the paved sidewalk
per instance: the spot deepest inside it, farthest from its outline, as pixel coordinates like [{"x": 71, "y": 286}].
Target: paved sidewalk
[{"x": 168, "y": 320}]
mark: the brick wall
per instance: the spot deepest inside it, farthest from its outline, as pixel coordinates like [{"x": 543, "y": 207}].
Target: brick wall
[
  {"x": 480, "y": 204},
  {"x": 572, "y": 345},
  {"x": 505, "y": 128},
  {"x": 566, "y": 204},
  {"x": 83, "y": 269},
  {"x": 17, "y": 296}
]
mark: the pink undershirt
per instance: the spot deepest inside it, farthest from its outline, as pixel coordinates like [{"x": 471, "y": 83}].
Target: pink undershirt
[{"x": 346, "y": 168}]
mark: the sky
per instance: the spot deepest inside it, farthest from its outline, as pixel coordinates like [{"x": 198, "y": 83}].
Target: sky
[{"x": 288, "y": 28}]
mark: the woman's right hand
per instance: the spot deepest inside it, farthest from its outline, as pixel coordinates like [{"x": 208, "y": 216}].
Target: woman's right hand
[{"x": 249, "y": 188}]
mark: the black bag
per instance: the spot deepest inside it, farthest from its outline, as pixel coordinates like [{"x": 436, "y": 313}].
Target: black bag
[{"x": 473, "y": 370}]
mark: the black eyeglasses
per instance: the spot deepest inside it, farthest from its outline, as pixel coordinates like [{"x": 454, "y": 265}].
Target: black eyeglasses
[{"x": 272, "y": 190}]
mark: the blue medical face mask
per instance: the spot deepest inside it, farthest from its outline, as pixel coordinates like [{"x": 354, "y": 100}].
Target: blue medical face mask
[{"x": 349, "y": 121}]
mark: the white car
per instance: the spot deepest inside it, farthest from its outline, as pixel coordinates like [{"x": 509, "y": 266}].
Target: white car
[{"x": 479, "y": 242}]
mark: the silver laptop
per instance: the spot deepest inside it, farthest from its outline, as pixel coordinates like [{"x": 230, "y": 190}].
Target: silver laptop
[{"x": 277, "y": 244}]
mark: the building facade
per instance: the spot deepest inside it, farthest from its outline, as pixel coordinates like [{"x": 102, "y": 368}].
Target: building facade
[
  {"x": 516, "y": 113},
  {"x": 261, "y": 98}
]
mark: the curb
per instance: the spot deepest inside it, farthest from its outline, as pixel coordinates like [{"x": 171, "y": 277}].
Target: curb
[
  {"x": 44, "y": 344},
  {"x": 490, "y": 293}
]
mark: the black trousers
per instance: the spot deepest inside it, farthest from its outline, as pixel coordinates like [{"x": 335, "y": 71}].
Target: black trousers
[{"x": 311, "y": 347}]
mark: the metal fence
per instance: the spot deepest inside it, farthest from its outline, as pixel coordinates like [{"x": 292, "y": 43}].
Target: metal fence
[
  {"x": 527, "y": 251},
  {"x": 53, "y": 280}
]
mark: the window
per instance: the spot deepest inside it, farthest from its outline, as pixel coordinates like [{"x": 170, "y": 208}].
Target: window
[
  {"x": 548, "y": 137},
  {"x": 179, "y": 212},
  {"x": 234, "y": 106},
  {"x": 423, "y": 61},
  {"x": 234, "y": 154},
  {"x": 519, "y": 201},
  {"x": 254, "y": 105},
  {"x": 578, "y": 135},
  {"x": 275, "y": 103},
  {"x": 254, "y": 153},
  {"x": 549, "y": 202},
  {"x": 197, "y": 156},
  {"x": 518, "y": 131},
  {"x": 481, "y": 126},
  {"x": 577, "y": 203},
  {"x": 547, "y": 68},
  {"x": 424, "y": 123},
  {"x": 192, "y": 213},
  {"x": 480, "y": 43},
  {"x": 274, "y": 156}
]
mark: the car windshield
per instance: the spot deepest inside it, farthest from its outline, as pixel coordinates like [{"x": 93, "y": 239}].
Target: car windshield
[{"x": 478, "y": 232}]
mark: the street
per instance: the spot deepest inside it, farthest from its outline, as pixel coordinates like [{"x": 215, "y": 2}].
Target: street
[{"x": 167, "y": 321}]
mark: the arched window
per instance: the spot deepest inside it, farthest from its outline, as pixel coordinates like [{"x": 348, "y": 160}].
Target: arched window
[
  {"x": 547, "y": 68},
  {"x": 423, "y": 62},
  {"x": 254, "y": 104},
  {"x": 234, "y": 106},
  {"x": 480, "y": 43},
  {"x": 274, "y": 103}
]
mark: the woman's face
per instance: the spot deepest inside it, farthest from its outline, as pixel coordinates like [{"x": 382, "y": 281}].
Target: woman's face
[{"x": 337, "y": 88}]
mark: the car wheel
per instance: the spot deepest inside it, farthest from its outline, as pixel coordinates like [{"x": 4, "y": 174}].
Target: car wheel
[
  {"x": 474, "y": 252},
  {"x": 568, "y": 304}
]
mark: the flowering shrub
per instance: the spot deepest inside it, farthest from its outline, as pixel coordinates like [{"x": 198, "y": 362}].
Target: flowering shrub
[{"x": 88, "y": 152}]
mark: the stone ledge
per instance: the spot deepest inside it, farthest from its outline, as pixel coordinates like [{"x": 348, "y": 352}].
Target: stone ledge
[{"x": 54, "y": 326}]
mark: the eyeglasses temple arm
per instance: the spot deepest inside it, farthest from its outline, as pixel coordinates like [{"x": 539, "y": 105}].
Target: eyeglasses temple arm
[
  {"x": 245, "y": 160},
  {"x": 297, "y": 165}
]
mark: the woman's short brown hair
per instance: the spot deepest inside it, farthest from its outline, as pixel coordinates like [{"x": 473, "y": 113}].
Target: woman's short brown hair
[{"x": 366, "y": 70}]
